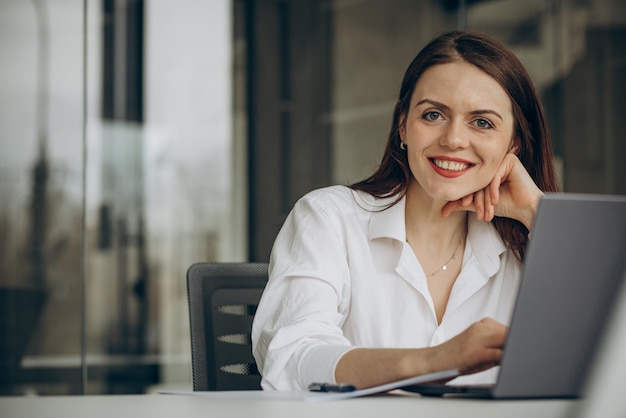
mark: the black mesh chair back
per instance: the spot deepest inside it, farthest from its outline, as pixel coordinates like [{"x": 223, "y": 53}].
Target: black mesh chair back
[{"x": 222, "y": 302}]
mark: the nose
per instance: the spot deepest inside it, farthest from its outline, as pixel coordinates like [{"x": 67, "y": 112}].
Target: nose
[{"x": 454, "y": 135}]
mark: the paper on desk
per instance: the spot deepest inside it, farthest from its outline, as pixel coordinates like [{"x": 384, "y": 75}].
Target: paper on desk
[{"x": 303, "y": 395}]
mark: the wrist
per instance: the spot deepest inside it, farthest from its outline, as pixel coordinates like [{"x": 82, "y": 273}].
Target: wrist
[
  {"x": 426, "y": 360},
  {"x": 528, "y": 215}
]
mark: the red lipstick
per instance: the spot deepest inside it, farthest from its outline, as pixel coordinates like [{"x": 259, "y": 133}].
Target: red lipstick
[{"x": 454, "y": 164}]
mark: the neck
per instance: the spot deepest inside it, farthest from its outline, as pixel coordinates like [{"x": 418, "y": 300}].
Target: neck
[{"x": 426, "y": 228}]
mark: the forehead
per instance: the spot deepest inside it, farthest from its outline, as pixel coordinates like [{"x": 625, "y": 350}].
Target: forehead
[{"x": 462, "y": 84}]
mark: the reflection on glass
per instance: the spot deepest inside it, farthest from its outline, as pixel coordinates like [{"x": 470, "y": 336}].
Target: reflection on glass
[
  {"x": 159, "y": 184},
  {"x": 158, "y": 189},
  {"x": 40, "y": 209}
]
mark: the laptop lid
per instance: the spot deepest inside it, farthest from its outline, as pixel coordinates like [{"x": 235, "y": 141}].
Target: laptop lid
[{"x": 573, "y": 266}]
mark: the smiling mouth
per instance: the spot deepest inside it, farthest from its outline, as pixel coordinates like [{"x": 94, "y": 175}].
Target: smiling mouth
[{"x": 450, "y": 165}]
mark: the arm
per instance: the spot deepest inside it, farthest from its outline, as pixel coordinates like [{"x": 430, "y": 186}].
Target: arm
[
  {"x": 296, "y": 335},
  {"x": 477, "y": 348}
]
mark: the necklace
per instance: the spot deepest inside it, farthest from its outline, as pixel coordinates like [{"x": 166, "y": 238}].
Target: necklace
[{"x": 444, "y": 267}]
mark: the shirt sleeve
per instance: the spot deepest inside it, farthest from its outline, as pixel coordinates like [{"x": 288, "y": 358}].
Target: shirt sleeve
[{"x": 297, "y": 337}]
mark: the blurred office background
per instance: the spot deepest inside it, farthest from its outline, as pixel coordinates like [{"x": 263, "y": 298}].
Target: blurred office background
[{"x": 138, "y": 137}]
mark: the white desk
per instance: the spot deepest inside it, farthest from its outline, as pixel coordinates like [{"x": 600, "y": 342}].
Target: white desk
[{"x": 185, "y": 406}]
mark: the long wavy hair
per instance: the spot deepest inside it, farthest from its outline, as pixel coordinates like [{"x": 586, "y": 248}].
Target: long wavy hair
[{"x": 531, "y": 137}]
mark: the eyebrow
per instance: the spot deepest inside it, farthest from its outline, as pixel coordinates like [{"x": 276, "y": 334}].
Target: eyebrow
[{"x": 444, "y": 107}]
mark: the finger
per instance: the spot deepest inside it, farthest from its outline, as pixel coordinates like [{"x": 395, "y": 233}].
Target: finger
[
  {"x": 494, "y": 189},
  {"x": 496, "y": 339},
  {"x": 487, "y": 359},
  {"x": 450, "y": 207},
  {"x": 492, "y": 332},
  {"x": 491, "y": 356},
  {"x": 466, "y": 201},
  {"x": 482, "y": 359},
  {"x": 496, "y": 182},
  {"x": 489, "y": 205},
  {"x": 479, "y": 204}
]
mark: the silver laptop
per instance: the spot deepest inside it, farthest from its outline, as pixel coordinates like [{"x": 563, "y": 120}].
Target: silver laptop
[{"x": 574, "y": 265}]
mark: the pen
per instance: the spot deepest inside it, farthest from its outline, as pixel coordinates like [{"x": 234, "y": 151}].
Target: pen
[{"x": 331, "y": 387}]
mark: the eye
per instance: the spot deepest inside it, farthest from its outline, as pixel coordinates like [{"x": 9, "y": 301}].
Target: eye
[
  {"x": 483, "y": 123},
  {"x": 432, "y": 115}
]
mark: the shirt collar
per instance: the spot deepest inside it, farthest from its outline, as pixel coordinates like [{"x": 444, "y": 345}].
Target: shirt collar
[
  {"x": 485, "y": 241},
  {"x": 387, "y": 222},
  {"x": 486, "y": 244}
]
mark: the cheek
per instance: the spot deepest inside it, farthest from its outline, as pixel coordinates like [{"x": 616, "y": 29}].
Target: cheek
[
  {"x": 492, "y": 163},
  {"x": 498, "y": 156}
]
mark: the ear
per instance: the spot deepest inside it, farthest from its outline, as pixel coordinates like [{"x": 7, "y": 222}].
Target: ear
[{"x": 402, "y": 126}]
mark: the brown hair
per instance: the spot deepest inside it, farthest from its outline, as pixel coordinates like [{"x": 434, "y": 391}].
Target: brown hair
[{"x": 531, "y": 137}]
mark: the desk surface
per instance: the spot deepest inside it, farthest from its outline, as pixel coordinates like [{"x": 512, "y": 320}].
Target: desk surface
[{"x": 389, "y": 405}]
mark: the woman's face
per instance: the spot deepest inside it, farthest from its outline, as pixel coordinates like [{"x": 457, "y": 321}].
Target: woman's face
[{"x": 458, "y": 129}]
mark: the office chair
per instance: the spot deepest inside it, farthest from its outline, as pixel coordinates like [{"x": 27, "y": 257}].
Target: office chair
[{"x": 222, "y": 302}]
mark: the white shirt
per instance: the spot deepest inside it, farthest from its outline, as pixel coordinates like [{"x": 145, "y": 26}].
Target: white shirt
[{"x": 343, "y": 276}]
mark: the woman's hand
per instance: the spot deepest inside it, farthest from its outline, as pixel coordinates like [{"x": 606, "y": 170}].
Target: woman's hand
[
  {"x": 512, "y": 193},
  {"x": 477, "y": 348}
]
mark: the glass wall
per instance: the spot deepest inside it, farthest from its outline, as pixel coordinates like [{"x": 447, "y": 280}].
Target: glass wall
[
  {"x": 160, "y": 175},
  {"x": 116, "y": 174},
  {"x": 41, "y": 189},
  {"x": 124, "y": 152}
]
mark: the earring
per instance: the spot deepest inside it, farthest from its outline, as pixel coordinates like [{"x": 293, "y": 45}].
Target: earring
[{"x": 402, "y": 146}]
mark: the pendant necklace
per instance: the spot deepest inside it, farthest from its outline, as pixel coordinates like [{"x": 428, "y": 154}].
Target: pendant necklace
[{"x": 444, "y": 267}]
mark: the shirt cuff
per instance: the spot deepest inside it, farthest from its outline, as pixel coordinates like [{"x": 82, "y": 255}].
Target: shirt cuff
[{"x": 321, "y": 362}]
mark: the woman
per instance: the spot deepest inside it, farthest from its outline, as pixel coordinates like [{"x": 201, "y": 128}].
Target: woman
[{"x": 415, "y": 269}]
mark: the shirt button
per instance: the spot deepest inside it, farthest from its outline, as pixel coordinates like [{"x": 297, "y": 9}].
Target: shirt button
[{"x": 436, "y": 340}]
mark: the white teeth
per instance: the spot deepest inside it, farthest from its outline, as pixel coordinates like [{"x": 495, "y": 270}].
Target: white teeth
[{"x": 451, "y": 165}]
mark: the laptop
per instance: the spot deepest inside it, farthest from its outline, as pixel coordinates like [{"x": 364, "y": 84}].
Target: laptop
[{"x": 574, "y": 263}]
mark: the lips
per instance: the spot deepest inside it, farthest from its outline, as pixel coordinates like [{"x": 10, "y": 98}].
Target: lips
[{"x": 448, "y": 167}]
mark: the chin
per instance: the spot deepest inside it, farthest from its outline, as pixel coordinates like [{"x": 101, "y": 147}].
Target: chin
[
  {"x": 449, "y": 197},
  {"x": 449, "y": 193}
]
